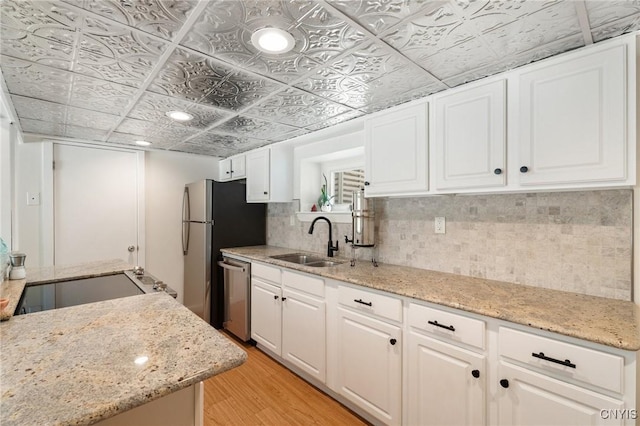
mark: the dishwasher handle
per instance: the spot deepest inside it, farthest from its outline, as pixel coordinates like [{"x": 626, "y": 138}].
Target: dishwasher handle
[{"x": 226, "y": 265}]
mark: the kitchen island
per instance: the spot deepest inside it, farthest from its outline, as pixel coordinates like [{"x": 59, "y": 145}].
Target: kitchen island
[{"x": 121, "y": 361}]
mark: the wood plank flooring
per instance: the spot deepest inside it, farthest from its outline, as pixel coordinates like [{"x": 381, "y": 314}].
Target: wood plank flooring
[{"x": 263, "y": 392}]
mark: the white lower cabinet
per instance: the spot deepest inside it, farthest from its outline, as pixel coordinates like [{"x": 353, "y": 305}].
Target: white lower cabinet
[
  {"x": 289, "y": 322},
  {"x": 446, "y": 385},
  {"x": 528, "y": 398},
  {"x": 303, "y": 331},
  {"x": 370, "y": 364}
]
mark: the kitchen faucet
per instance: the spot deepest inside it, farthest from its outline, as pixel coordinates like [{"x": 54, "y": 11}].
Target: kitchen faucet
[{"x": 330, "y": 247}]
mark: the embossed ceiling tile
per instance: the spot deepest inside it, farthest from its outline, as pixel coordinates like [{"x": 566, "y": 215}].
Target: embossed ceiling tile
[
  {"x": 403, "y": 80},
  {"x": 130, "y": 139},
  {"x": 458, "y": 59},
  {"x": 349, "y": 115},
  {"x": 287, "y": 136},
  {"x": 607, "y": 11},
  {"x": 210, "y": 150},
  {"x": 511, "y": 62},
  {"x": 296, "y": 108},
  {"x": 91, "y": 119},
  {"x": 117, "y": 42},
  {"x": 100, "y": 95},
  {"x": 36, "y": 81},
  {"x": 377, "y": 16},
  {"x": 85, "y": 133},
  {"x": 24, "y": 45},
  {"x": 47, "y": 19},
  {"x": 286, "y": 69},
  {"x": 104, "y": 68},
  {"x": 239, "y": 90},
  {"x": 616, "y": 28},
  {"x": 253, "y": 127},
  {"x": 326, "y": 32},
  {"x": 439, "y": 28},
  {"x": 189, "y": 76},
  {"x": 382, "y": 102},
  {"x": 335, "y": 87},
  {"x": 369, "y": 63},
  {"x": 215, "y": 138},
  {"x": 42, "y": 127},
  {"x": 39, "y": 110},
  {"x": 537, "y": 29},
  {"x": 488, "y": 15},
  {"x": 153, "y": 107},
  {"x": 162, "y": 18}
]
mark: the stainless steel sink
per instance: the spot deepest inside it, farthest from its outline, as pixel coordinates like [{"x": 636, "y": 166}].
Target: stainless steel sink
[{"x": 305, "y": 259}]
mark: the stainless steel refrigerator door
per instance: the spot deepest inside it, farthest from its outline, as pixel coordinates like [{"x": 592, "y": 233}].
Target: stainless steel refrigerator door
[
  {"x": 197, "y": 271},
  {"x": 237, "y": 300},
  {"x": 199, "y": 201}
]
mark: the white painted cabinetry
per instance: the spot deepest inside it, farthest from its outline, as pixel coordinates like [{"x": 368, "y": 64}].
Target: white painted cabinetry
[
  {"x": 546, "y": 381},
  {"x": 270, "y": 175},
  {"x": 369, "y": 359},
  {"x": 469, "y": 141},
  {"x": 288, "y": 317},
  {"x": 396, "y": 152},
  {"x": 232, "y": 168},
  {"x": 446, "y": 383},
  {"x": 573, "y": 120}
]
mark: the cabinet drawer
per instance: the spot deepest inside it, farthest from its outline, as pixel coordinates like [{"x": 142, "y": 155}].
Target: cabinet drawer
[
  {"x": 454, "y": 327},
  {"x": 563, "y": 359},
  {"x": 303, "y": 283},
  {"x": 266, "y": 272},
  {"x": 365, "y": 301}
]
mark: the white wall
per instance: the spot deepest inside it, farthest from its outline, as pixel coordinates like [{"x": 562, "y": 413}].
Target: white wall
[{"x": 165, "y": 177}]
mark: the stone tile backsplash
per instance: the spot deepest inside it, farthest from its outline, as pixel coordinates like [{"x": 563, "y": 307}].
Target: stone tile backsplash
[{"x": 572, "y": 241}]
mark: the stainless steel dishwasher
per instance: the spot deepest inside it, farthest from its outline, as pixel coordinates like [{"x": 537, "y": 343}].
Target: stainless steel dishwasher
[{"x": 237, "y": 297}]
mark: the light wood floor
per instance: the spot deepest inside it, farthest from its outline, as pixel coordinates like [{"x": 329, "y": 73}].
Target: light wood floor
[{"x": 263, "y": 392}]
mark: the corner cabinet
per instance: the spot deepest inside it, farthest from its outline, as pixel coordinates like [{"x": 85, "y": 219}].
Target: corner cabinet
[
  {"x": 470, "y": 138},
  {"x": 573, "y": 120},
  {"x": 270, "y": 175},
  {"x": 396, "y": 154}
]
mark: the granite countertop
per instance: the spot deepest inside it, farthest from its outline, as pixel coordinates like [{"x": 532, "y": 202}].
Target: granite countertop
[
  {"x": 76, "y": 365},
  {"x": 12, "y": 289},
  {"x": 609, "y": 322}
]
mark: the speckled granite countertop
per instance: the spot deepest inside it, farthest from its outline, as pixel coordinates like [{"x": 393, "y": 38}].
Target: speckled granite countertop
[
  {"x": 609, "y": 322},
  {"x": 76, "y": 365},
  {"x": 12, "y": 289}
]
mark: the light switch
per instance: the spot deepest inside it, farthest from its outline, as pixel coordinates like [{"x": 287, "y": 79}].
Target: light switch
[{"x": 33, "y": 198}]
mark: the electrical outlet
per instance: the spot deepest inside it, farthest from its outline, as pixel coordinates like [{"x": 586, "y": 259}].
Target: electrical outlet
[
  {"x": 439, "y": 226},
  {"x": 292, "y": 220}
]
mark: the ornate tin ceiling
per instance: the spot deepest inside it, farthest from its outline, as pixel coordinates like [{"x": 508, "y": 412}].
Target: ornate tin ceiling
[{"x": 109, "y": 70}]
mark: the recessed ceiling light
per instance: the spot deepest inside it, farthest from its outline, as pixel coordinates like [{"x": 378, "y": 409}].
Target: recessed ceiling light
[
  {"x": 179, "y": 115},
  {"x": 143, "y": 143},
  {"x": 273, "y": 40}
]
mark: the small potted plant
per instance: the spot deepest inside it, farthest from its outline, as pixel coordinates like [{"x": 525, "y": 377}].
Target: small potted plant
[{"x": 325, "y": 200}]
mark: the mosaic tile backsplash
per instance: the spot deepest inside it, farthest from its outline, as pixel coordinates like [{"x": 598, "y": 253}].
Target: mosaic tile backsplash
[{"x": 572, "y": 241}]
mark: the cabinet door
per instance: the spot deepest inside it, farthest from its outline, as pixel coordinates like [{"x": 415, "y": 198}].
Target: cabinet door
[
  {"x": 396, "y": 152},
  {"x": 266, "y": 315},
  {"x": 470, "y": 143},
  {"x": 573, "y": 121},
  {"x": 534, "y": 399},
  {"x": 303, "y": 332},
  {"x": 369, "y": 365},
  {"x": 446, "y": 384},
  {"x": 224, "y": 170},
  {"x": 238, "y": 167},
  {"x": 258, "y": 169}
]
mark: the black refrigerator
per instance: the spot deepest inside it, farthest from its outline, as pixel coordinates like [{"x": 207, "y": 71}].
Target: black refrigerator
[{"x": 215, "y": 215}]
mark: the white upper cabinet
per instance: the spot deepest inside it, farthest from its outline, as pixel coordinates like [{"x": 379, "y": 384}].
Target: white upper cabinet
[
  {"x": 232, "y": 168},
  {"x": 396, "y": 152},
  {"x": 469, "y": 138},
  {"x": 573, "y": 120},
  {"x": 270, "y": 175}
]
